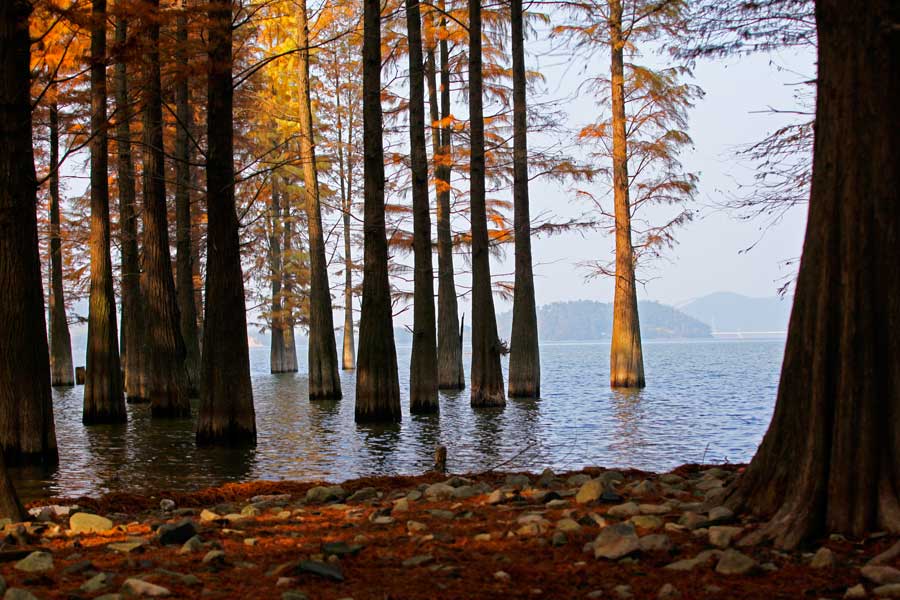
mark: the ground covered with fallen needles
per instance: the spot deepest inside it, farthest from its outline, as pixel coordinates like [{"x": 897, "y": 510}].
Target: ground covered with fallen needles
[{"x": 591, "y": 534}]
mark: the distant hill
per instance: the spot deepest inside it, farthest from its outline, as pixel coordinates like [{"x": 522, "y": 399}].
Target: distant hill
[{"x": 729, "y": 312}]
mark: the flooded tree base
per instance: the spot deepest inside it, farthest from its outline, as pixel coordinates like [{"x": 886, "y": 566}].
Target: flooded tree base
[{"x": 589, "y": 534}]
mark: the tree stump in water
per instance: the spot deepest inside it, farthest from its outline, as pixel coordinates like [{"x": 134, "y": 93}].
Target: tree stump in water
[
  {"x": 440, "y": 459},
  {"x": 79, "y": 375}
]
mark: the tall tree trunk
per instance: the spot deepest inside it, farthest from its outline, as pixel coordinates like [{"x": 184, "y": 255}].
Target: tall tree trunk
[
  {"x": 184, "y": 267},
  {"x": 164, "y": 371},
  {"x": 132, "y": 311},
  {"x": 27, "y": 432},
  {"x": 626, "y": 359},
  {"x": 377, "y": 383},
  {"x": 276, "y": 269},
  {"x": 226, "y": 397},
  {"x": 104, "y": 399},
  {"x": 62, "y": 372},
  {"x": 10, "y": 505},
  {"x": 830, "y": 461},
  {"x": 524, "y": 351},
  {"x": 487, "y": 377},
  {"x": 451, "y": 375},
  {"x": 324, "y": 381},
  {"x": 345, "y": 172},
  {"x": 288, "y": 272},
  {"x": 423, "y": 396}
]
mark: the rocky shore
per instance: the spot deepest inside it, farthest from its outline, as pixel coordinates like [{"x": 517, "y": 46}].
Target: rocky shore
[{"x": 590, "y": 534}]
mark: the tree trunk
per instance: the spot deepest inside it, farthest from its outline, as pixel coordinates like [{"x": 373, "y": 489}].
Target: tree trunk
[
  {"x": 10, "y": 505},
  {"x": 226, "y": 397},
  {"x": 132, "y": 311},
  {"x": 164, "y": 370},
  {"x": 288, "y": 270},
  {"x": 830, "y": 461},
  {"x": 184, "y": 267},
  {"x": 451, "y": 375},
  {"x": 487, "y": 377},
  {"x": 104, "y": 399},
  {"x": 27, "y": 432},
  {"x": 377, "y": 383},
  {"x": 423, "y": 390},
  {"x": 626, "y": 359},
  {"x": 324, "y": 381},
  {"x": 276, "y": 269},
  {"x": 62, "y": 372},
  {"x": 345, "y": 172},
  {"x": 524, "y": 351}
]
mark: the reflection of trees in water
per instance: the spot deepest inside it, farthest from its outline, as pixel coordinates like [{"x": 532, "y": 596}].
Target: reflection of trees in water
[
  {"x": 525, "y": 448},
  {"x": 380, "y": 442},
  {"x": 628, "y": 431},
  {"x": 487, "y": 436},
  {"x": 426, "y": 432}
]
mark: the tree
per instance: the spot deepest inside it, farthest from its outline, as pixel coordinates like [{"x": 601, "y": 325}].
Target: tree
[
  {"x": 62, "y": 371},
  {"x": 524, "y": 351},
  {"x": 10, "y": 505},
  {"x": 423, "y": 390},
  {"x": 487, "y": 377},
  {"x": 829, "y": 460},
  {"x": 282, "y": 357},
  {"x": 104, "y": 400},
  {"x": 27, "y": 431},
  {"x": 324, "y": 381},
  {"x": 226, "y": 399},
  {"x": 377, "y": 384}
]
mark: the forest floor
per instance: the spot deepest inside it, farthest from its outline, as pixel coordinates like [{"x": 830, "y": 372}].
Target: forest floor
[{"x": 591, "y": 534}]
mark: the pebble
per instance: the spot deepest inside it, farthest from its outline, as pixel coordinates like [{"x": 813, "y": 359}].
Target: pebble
[
  {"x": 647, "y": 522},
  {"x": 623, "y": 591},
  {"x": 166, "y": 504},
  {"x": 501, "y": 576},
  {"x": 655, "y": 509},
  {"x": 36, "y": 562},
  {"x": 89, "y": 523},
  {"x": 363, "y": 494},
  {"x": 482, "y": 537},
  {"x": 401, "y": 505},
  {"x": 213, "y": 556},
  {"x": 735, "y": 563},
  {"x": 624, "y": 511},
  {"x": 891, "y": 590},
  {"x": 721, "y": 536},
  {"x": 880, "y": 575},
  {"x": 668, "y": 592},
  {"x": 325, "y": 493},
  {"x": 857, "y": 592},
  {"x": 439, "y": 491},
  {"x": 439, "y": 513},
  {"x": 415, "y": 526},
  {"x": 656, "y": 542},
  {"x": 138, "y": 587},
  {"x": 590, "y": 491},
  {"x": 176, "y": 533},
  {"x": 294, "y": 595},
  {"x": 96, "y": 583},
  {"x": 18, "y": 594},
  {"x": 207, "y": 516},
  {"x": 418, "y": 560},
  {"x": 691, "y": 520},
  {"x": 567, "y": 525},
  {"x": 720, "y": 514},
  {"x": 559, "y": 539},
  {"x": 616, "y": 541},
  {"x": 192, "y": 545},
  {"x": 823, "y": 559},
  {"x": 126, "y": 547}
]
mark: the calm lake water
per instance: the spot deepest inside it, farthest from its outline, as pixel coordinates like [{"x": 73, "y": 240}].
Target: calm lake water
[{"x": 705, "y": 400}]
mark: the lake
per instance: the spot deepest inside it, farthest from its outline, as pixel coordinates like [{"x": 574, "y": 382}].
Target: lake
[{"x": 706, "y": 400}]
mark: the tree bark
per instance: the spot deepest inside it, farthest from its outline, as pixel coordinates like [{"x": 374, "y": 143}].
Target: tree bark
[
  {"x": 277, "y": 351},
  {"x": 830, "y": 461},
  {"x": 451, "y": 375},
  {"x": 104, "y": 399},
  {"x": 164, "y": 370},
  {"x": 184, "y": 267},
  {"x": 324, "y": 381},
  {"x": 377, "y": 383},
  {"x": 62, "y": 371},
  {"x": 132, "y": 336},
  {"x": 423, "y": 390},
  {"x": 626, "y": 360},
  {"x": 288, "y": 270},
  {"x": 345, "y": 172},
  {"x": 27, "y": 432},
  {"x": 226, "y": 398},
  {"x": 487, "y": 377},
  {"x": 10, "y": 505},
  {"x": 524, "y": 350}
]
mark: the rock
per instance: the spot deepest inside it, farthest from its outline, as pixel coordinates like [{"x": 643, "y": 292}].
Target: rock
[
  {"x": 138, "y": 587},
  {"x": 465, "y": 491},
  {"x": 547, "y": 478},
  {"x": 250, "y": 541},
  {"x": 96, "y": 583},
  {"x": 721, "y": 535},
  {"x": 708, "y": 484},
  {"x": 401, "y": 505},
  {"x": 176, "y": 533},
  {"x": 578, "y": 480},
  {"x": 735, "y": 563},
  {"x": 325, "y": 493},
  {"x": 647, "y": 522},
  {"x": 691, "y": 520},
  {"x": 482, "y": 537},
  {"x": 207, "y": 516},
  {"x": 109, "y": 597},
  {"x": 590, "y": 491},
  {"x": 668, "y": 592},
  {"x": 689, "y": 564},
  {"x": 250, "y": 511},
  {"x": 439, "y": 513},
  {"x": 671, "y": 479},
  {"x": 558, "y": 538},
  {"x": 166, "y": 504},
  {"x": 567, "y": 525},
  {"x": 18, "y": 594},
  {"x": 88, "y": 523},
  {"x": 501, "y": 576},
  {"x": 891, "y": 590},
  {"x": 126, "y": 547},
  {"x": 720, "y": 514},
  {"x": 78, "y": 567},
  {"x": 36, "y": 562},
  {"x": 418, "y": 560},
  {"x": 643, "y": 488},
  {"x": 823, "y": 559},
  {"x": 624, "y": 511},
  {"x": 415, "y": 526},
  {"x": 414, "y": 495},
  {"x": 616, "y": 541},
  {"x": 857, "y": 592},
  {"x": 518, "y": 482},
  {"x": 496, "y": 497},
  {"x": 320, "y": 569},
  {"x": 439, "y": 491},
  {"x": 341, "y": 549},
  {"x": 361, "y": 495},
  {"x": 194, "y": 544},
  {"x": 294, "y": 595},
  {"x": 554, "y": 504},
  {"x": 654, "y": 509},
  {"x": 213, "y": 557},
  {"x": 880, "y": 575},
  {"x": 656, "y": 542},
  {"x": 623, "y": 592}
]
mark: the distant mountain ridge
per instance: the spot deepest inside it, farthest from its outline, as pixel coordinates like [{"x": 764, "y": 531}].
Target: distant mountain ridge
[{"x": 730, "y": 312}]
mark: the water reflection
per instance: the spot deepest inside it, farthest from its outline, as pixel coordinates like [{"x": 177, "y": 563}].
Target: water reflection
[{"x": 716, "y": 393}]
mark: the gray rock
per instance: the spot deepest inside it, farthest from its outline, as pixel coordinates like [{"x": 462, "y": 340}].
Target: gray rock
[
  {"x": 439, "y": 491},
  {"x": 880, "y": 575},
  {"x": 109, "y": 597},
  {"x": 501, "y": 576},
  {"x": 176, "y": 533},
  {"x": 671, "y": 479},
  {"x": 578, "y": 480},
  {"x": 418, "y": 560},
  {"x": 691, "y": 520},
  {"x": 36, "y": 562},
  {"x": 655, "y": 543},
  {"x": 823, "y": 559},
  {"x": 735, "y": 563},
  {"x": 567, "y": 525},
  {"x": 195, "y": 544},
  {"x": 213, "y": 557},
  {"x": 623, "y": 592},
  {"x": 88, "y": 523},
  {"x": 325, "y": 493},
  {"x": 857, "y": 592},
  {"x": 138, "y": 587},
  {"x": 668, "y": 592},
  {"x": 415, "y": 526},
  {"x": 439, "y": 513},
  {"x": 294, "y": 595},
  {"x": 320, "y": 569},
  {"x": 647, "y": 522},
  {"x": 96, "y": 583},
  {"x": 721, "y": 536},
  {"x": 891, "y": 590},
  {"x": 341, "y": 549},
  {"x": 720, "y": 514},
  {"x": 616, "y": 541},
  {"x": 465, "y": 491},
  {"x": 361, "y": 495},
  {"x": 18, "y": 594},
  {"x": 127, "y": 547},
  {"x": 559, "y": 539},
  {"x": 166, "y": 504},
  {"x": 624, "y": 511},
  {"x": 655, "y": 509},
  {"x": 401, "y": 505},
  {"x": 517, "y": 481}
]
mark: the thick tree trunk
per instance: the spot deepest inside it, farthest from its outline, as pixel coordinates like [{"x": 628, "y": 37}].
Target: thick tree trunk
[
  {"x": 830, "y": 461},
  {"x": 626, "y": 359},
  {"x": 423, "y": 390},
  {"x": 277, "y": 351},
  {"x": 164, "y": 371},
  {"x": 104, "y": 399},
  {"x": 62, "y": 372},
  {"x": 345, "y": 171},
  {"x": 132, "y": 312},
  {"x": 27, "y": 432},
  {"x": 226, "y": 398},
  {"x": 288, "y": 270},
  {"x": 10, "y": 505},
  {"x": 451, "y": 375},
  {"x": 487, "y": 377},
  {"x": 184, "y": 267},
  {"x": 324, "y": 381},
  {"x": 524, "y": 351},
  {"x": 377, "y": 383}
]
